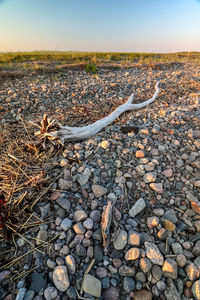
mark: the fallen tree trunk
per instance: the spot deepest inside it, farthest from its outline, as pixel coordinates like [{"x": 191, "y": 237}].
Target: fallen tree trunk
[{"x": 65, "y": 133}]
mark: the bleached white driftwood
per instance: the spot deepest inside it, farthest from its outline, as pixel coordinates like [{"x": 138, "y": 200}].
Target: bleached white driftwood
[{"x": 65, "y": 133}]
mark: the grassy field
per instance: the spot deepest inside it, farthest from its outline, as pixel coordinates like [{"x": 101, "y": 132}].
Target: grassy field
[{"x": 96, "y": 57}]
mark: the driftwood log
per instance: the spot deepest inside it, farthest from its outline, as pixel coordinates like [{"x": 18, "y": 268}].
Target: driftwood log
[{"x": 65, "y": 133}]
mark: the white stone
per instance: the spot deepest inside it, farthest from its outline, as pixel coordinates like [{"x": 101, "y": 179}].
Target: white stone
[{"x": 60, "y": 278}]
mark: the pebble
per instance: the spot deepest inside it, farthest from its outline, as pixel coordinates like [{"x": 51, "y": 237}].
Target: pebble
[
  {"x": 98, "y": 190},
  {"x": 170, "y": 268},
  {"x": 145, "y": 264},
  {"x": 169, "y": 225},
  {"x": 128, "y": 284},
  {"x": 111, "y": 293},
  {"x": 181, "y": 260},
  {"x": 66, "y": 224},
  {"x": 83, "y": 178},
  {"x": 50, "y": 293},
  {"x": 196, "y": 289},
  {"x": 192, "y": 271},
  {"x": 153, "y": 253},
  {"x": 92, "y": 286},
  {"x": 60, "y": 278},
  {"x": 121, "y": 240},
  {"x": 134, "y": 238},
  {"x": 41, "y": 237},
  {"x": 132, "y": 254},
  {"x": 171, "y": 291},
  {"x": 126, "y": 271},
  {"x": 64, "y": 184},
  {"x": 88, "y": 224},
  {"x": 64, "y": 203},
  {"x": 157, "y": 187},
  {"x": 29, "y": 295},
  {"x": 152, "y": 222},
  {"x": 70, "y": 262},
  {"x": 142, "y": 295},
  {"x": 150, "y": 177},
  {"x": 137, "y": 208},
  {"x": 21, "y": 294}
]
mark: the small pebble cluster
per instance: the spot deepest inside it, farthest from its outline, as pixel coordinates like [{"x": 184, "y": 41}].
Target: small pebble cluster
[{"x": 152, "y": 179}]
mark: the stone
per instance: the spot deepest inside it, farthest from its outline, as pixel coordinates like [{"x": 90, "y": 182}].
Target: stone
[
  {"x": 29, "y": 295},
  {"x": 126, "y": 271},
  {"x": 156, "y": 272},
  {"x": 170, "y": 268},
  {"x": 149, "y": 167},
  {"x": 137, "y": 208},
  {"x": 152, "y": 222},
  {"x": 157, "y": 187},
  {"x": 88, "y": 224},
  {"x": 80, "y": 250},
  {"x": 196, "y": 289},
  {"x": 78, "y": 228},
  {"x": 101, "y": 272},
  {"x": 168, "y": 173},
  {"x": 162, "y": 234},
  {"x": 50, "y": 293},
  {"x": 145, "y": 264},
  {"x": 64, "y": 203},
  {"x": 71, "y": 294},
  {"x": 105, "y": 144},
  {"x": 134, "y": 238},
  {"x": 95, "y": 215},
  {"x": 169, "y": 225},
  {"x": 66, "y": 224},
  {"x": 132, "y": 254},
  {"x": 20, "y": 294},
  {"x": 117, "y": 262},
  {"x": 171, "y": 216},
  {"x": 83, "y": 178},
  {"x": 80, "y": 215},
  {"x": 64, "y": 184},
  {"x": 71, "y": 265},
  {"x": 41, "y": 237},
  {"x": 195, "y": 204},
  {"x": 150, "y": 177},
  {"x": 92, "y": 286},
  {"x": 111, "y": 293},
  {"x": 192, "y": 271},
  {"x": 142, "y": 295},
  {"x": 50, "y": 263},
  {"x": 121, "y": 240},
  {"x": 181, "y": 260},
  {"x": 154, "y": 254},
  {"x": 197, "y": 225},
  {"x": 98, "y": 190},
  {"x": 128, "y": 284},
  {"x": 98, "y": 253},
  {"x": 60, "y": 278},
  {"x": 171, "y": 292},
  {"x": 4, "y": 275},
  {"x": 177, "y": 248},
  {"x": 105, "y": 283},
  {"x": 139, "y": 154},
  {"x": 55, "y": 195},
  {"x": 38, "y": 282},
  {"x": 196, "y": 249},
  {"x": 140, "y": 276}
]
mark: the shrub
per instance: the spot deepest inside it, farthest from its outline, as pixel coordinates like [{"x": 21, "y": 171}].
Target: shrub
[{"x": 91, "y": 69}]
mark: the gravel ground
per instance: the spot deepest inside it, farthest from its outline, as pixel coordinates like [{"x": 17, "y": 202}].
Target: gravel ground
[{"x": 150, "y": 176}]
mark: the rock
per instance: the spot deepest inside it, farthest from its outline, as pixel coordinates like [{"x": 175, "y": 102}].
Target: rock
[
  {"x": 92, "y": 286},
  {"x": 196, "y": 289},
  {"x": 197, "y": 225},
  {"x": 137, "y": 208},
  {"x": 71, "y": 265},
  {"x": 142, "y": 295},
  {"x": 38, "y": 282},
  {"x": 4, "y": 275},
  {"x": 171, "y": 216},
  {"x": 196, "y": 249},
  {"x": 150, "y": 177},
  {"x": 162, "y": 234},
  {"x": 139, "y": 154},
  {"x": 98, "y": 253},
  {"x": 50, "y": 293},
  {"x": 140, "y": 276},
  {"x": 80, "y": 250},
  {"x": 195, "y": 204},
  {"x": 105, "y": 144},
  {"x": 78, "y": 228},
  {"x": 21, "y": 294},
  {"x": 41, "y": 236},
  {"x": 128, "y": 284},
  {"x": 98, "y": 190},
  {"x": 60, "y": 278},
  {"x": 132, "y": 254},
  {"x": 192, "y": 271},
  {"x": 157, "y": 187},
  {"x": 95, "y": 215},
  {"x": 177, "y": 248},
  {"x": 121, "y": 240},
  {"x": 171, "y": 292},
  {"x": 51, "y": 264},
  {"x": 64, "y": 184},
  {"x": 88, "y": 224},
  {"x": 168, "y": 172},
  {"x": 83, "y": 178},
  {"x": 152, "y": 222},
  {"x": 156, "y": 272},
  {"x": 29, "y": 295},
  {"x": 105, "y": 283},
  {"x": 153, "y": 253},
  {"x": 169, "y": 225},
  {"x": 145, "y": 264},
  {"x": 111, "y": 293},
  {"x": 55, "y": 195},
  {"x": 117, "y": 262},
  {"x": 134, "y": 238},
  {"x": 101, "y": 272},
  {"x": 64, "y": 203},
  {"x": 170, "y": 268},
  {"x": 126, "y": 271},
  {"x": 181, "y": 260},
  {"x": 66, "y": 224},
  {"x": 80, "y": 215}
]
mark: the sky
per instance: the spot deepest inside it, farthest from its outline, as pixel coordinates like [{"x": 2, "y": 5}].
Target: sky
[{"x": 100, "y": 25}]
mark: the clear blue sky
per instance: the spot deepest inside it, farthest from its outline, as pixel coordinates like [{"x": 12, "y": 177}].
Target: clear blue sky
[{"x": 100, "y": 25}]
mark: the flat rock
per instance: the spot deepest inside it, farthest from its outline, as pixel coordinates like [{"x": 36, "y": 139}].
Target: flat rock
[
  {"x": 150, "y": 177},
  {"x": 171, "y": 292},
  {"x": 157, "y": 187},
  {"x": 64, "y": 184},
  {"x": 132, "y": 254},
  {"x": 83, "y": 178},
  {"x": 170, "y": 268},
  {"x": 98, "y": 190},
  {"x": 154, "y": 254},
  {"x": 121, "y": 240},
  {"x": 142, "y": 295},
  {"x": 64, "y": 203},
  {"x": 137, "y": 208},
  {"x": 60, "y": 278},
  {"x": 38, "y": 282},
  {"x": 196, "y": 289},
  {"x": 92, "y": 286}
]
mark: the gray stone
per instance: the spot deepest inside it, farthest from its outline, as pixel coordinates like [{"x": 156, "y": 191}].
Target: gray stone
[
  {"x": 64, "y": 203},
  {"x": 150, "y": 177},
  {"x": 64, "y": 184},
  {"x": 156, "y": 272},
  {"x": 98, "y": 190},
  {"x": 192, "y": 271},
  {"x": 97, "y": 235},
  {"x": 66, "y": 224},
  {"x": 128, "y": 284},
  {"x": 83, "y": 178},
  {"x": 95, "y": 215},
  {"x": 105, "y": 283},
  {"x": 92, "y": 286},
  {"x": 41, "y": 236},
  {"x": 145, "y": 264},
  {"x": 44, "y": 210},
  {"x": 21, "y": 294},
  {"x": 80, "y": 215},
  {"x": 50, "y": 293},
  {"x": 177, "y": 248},
  {"x": 60, "y": 278},
  {"x": 38, "y": 282},
  {"x": 126, "y": 271},
  {"x": 120, "y": 240},
  {"x": 78, "y": 228},
  {"x": 196, "y": 249},
  {"x": 170, "y": 268},
  {"x": 29, "y": 295},
  {"x": 137, "y": 208},
  {"x": 80, "y": 250},
  {"x": 171, "y": 216},
  {"x": 101, "y": 272},
  {"x": 111, "y": 293},
  {"x": 154, "y": 254},
  {"x": 171, "y": 292},
  {"x": 51, "y": 264},
  {"x": 71, "y": 265},
  {"x": 140, "y": 276},
  {"x": 88, "y": 224},
  {"x": 71, "y": 293},
  {"x": 98, "y": 253},
  {"x": 196, "y": 289}
]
